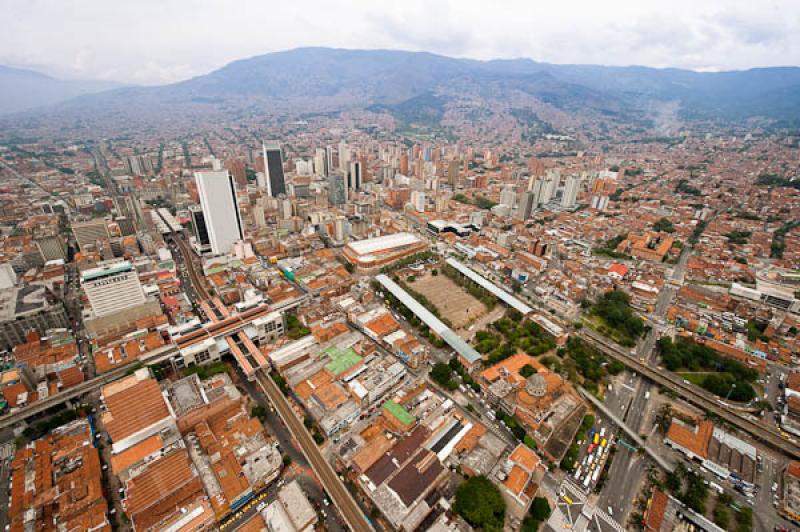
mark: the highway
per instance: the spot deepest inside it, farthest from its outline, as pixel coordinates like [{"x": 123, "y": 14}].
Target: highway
[
  {"x": 699, "y": 397},
  {"x": 336, "y": 490},
  {"x": 154, "y": 357}
]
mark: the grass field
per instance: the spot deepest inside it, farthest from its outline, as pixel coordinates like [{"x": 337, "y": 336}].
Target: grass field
[{"x": 450, "y": 300}]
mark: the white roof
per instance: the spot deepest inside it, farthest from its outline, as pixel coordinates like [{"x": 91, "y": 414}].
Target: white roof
[{"x": 383, "y": 243}]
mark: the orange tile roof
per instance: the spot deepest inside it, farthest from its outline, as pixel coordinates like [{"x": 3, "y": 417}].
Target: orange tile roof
[
  {"x": 656, "y": 510},
  {"x": 696, "y": 440},
  {"x": 134, "y": 408},
  {"x": 516, "y": 480},
  {"x": 132, "y": 455},
  {"x": 383, "y": 325},
  {"x": 161, "y": 489},
  {"x": 512, "y": 365},
  {"x": 371, "y": 453},
  {"x": 525, "y": 457}
]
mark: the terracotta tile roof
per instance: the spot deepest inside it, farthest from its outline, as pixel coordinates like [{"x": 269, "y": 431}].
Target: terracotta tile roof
[
  {"x": 134, "y": 408},
  {"x": 132, "y": 455},
  {"x": 525, "y": 457},
  {"x": 656, "y": 510},
  {"x": 383, "y": 325},
  {"x": 512, "y": 365},
  {"x": 371, "y": 453},
  {"x": 517, "y": 480},
  {"x": 696, "y": 440},
  {"x": 161, "y": 489}
]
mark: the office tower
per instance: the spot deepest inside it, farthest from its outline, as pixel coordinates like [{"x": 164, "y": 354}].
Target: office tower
[
  {"x": 354, "y": 176},
  {"x": 508, "y": 197},
  {"x": 200, "y": 229},
  {"x": 112, "y": 287},
  {"x": 319, "y": 162},
  {"x": 404, "y": 163},
  {"x": 452, "y": 172},
  {"x": 88, "y": 233},
  {"x": 273, "y": 169},
  {"x": 337, "y": 189},
  {"x": 344, "y": 156},
  {"x": 570, "y": 192},
  {"x": 238, "y": 171},
  {"x": 526, "y": 205},
  {"x": 220, "y": 209},
  {"x": 328, "y": 160},
  {"x": 418, "y": 200}
]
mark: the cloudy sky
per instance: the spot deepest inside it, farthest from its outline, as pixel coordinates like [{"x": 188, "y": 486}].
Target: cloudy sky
[{"x": 161, "y": 41}]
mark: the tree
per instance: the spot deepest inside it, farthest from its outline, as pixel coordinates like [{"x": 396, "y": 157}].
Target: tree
[
  {"x": 480, "y": 503},
  {"x": 540, "y": 509},
  {"x": 721, "y": 516},
  {"x": 527, "y": 370},
  {"x": 441, "y": 373}
]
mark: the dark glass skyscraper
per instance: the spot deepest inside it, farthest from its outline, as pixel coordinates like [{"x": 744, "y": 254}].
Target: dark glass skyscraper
[{"x": 273, "y": 167}]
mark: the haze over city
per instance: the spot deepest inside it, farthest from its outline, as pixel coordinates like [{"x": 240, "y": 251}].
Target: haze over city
[
  {"x": 421, "y": 266},
  {"x": 156, "y": 42}
]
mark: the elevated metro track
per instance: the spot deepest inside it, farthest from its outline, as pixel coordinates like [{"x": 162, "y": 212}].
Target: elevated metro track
[
  {"x": 154, "y": 357},
  {"x": 693, "y": 394},
  {"x": 342, "y": 498}
]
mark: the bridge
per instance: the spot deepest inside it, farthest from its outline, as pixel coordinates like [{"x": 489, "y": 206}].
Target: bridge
[
  {"x": 693, "y": 394},
  {"x": 156, "y": 356}
]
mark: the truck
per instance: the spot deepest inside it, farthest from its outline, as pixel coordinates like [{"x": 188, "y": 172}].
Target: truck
[
  {"x": 596, "y": 439},
  {"x": 647, "y": 395},
  {"x": 596, "y": 474},
  {"x": 603, "y": 443},
  {"x": 586, "y": 481},
  {"x": 602, "y": 432},
  {"x": 578, "y": 473}
]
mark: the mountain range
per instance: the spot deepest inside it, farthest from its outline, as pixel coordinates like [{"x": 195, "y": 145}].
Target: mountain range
[
  {"x": 22, "y": 89},
  {"x": 419, "y": 86}
]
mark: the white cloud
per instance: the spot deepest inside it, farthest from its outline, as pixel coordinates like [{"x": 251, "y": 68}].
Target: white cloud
[{"x": 161, "y": 41}]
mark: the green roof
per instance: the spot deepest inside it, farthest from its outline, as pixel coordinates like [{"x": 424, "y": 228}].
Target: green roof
[
  {"x": 399, "y": 412},
  {"x": 217, "y": 269},
  {"x": 341, "y": 360}
]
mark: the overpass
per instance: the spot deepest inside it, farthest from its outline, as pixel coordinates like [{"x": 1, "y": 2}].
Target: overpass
[
  {"x": 156, "y": 356},
  {"x": 693, "y": 394},
  {"x": 621, "y": 424}
]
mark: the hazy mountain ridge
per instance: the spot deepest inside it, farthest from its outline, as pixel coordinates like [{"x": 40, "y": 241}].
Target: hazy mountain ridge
[
  {"x": 327, "y": 79},
  {"x": 22, "y": 89}
]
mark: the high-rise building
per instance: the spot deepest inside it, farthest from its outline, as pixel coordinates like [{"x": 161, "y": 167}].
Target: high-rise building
[
  {"x": 526, "y": 205},
  {"x": 418, "y": 200},
  {"x": 570, "y": 192},
  {"x": 200, "y": 229},
  {"x": 273, "y": 169},
  {"x": 344, "y": 156},
  {"x": 452, "y": 172},
  {"x": 328, "y": 160},
  {"x": 508, "y": 196},
  {"x": 220, "y": 210},
  {"x": 238, "y": 171},
  {"x": 337, "y": 189},
  {"x": 112, "y": 287},
  {"x": 404, "y": 163},
  {"x": 354, "y": 176}
]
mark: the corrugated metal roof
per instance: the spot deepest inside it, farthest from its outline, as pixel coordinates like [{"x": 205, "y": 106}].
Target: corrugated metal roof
[
  {"x": 498, "y": 292},
  {"x": 434, "y": 323}
]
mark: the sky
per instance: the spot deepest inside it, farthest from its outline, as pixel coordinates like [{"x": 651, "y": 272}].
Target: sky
[{"x": 151, "y": 42}]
